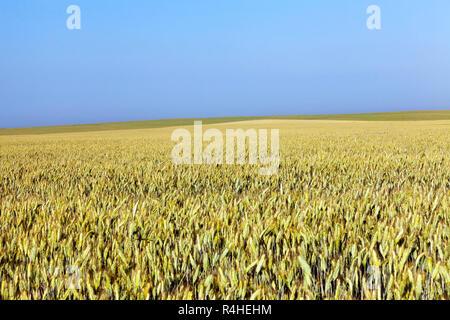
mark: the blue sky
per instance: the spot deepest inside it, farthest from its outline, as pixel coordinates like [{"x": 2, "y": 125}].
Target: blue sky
[{"x": 137, "y": 60}]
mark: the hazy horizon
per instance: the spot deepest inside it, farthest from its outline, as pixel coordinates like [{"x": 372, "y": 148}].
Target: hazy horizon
[{"x": 237, "y": 116}]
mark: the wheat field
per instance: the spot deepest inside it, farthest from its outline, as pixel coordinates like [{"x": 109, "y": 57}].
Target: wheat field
[{"x": 357, "y": 210}]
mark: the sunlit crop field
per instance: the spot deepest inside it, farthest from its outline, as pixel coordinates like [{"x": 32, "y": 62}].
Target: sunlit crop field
[{"x": 357, "y": 210}]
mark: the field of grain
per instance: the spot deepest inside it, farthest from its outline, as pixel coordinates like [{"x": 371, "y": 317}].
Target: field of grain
[{"x": 357, "y": 210}]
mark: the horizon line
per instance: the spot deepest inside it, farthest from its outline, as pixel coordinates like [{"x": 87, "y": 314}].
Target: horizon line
[{"x": 223, "y": 117}]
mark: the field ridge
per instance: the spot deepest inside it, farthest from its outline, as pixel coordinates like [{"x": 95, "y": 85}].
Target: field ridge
[{"x": 161, "y": 123}]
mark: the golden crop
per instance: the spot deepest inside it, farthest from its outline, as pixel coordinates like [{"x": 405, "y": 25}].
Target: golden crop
[{"x": 358, "y": 210}]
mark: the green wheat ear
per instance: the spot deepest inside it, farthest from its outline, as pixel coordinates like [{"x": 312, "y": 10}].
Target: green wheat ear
[{"x": 357, "y": 210}]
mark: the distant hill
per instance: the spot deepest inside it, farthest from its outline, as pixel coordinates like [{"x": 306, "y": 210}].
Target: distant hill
[{"x": 147, "y": 124}]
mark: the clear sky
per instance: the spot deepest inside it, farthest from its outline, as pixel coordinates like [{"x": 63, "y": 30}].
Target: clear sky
[{"x": 144, "y": 59}]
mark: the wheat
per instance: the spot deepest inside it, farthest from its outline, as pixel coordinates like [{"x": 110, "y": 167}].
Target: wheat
[{"x": 357, "y": 210}]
